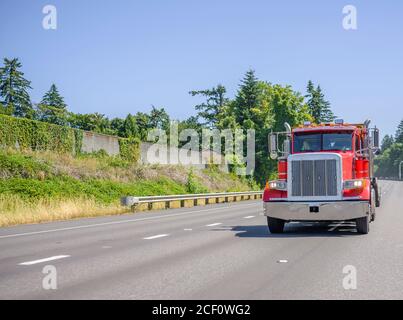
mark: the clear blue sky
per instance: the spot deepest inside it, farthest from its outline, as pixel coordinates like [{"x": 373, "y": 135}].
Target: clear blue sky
[{"x": 116, "y": 57}]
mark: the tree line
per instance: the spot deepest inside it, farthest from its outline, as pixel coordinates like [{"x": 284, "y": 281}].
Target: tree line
[
  {"x": 15, "y": 101},
  {"x": 387, "y": 163},
  {"x": 258, "y": 105}
]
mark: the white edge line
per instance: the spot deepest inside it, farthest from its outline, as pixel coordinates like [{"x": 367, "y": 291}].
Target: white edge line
[
  {"x": 29, "y": 263},
  {"x": 117, "y": 222},
  {"x": 156, "y": 236}
]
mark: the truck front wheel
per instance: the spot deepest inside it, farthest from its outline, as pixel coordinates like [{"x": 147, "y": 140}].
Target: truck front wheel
[
  {"x": 275, "y": 225},
  {"x": 363, "y": 224}
]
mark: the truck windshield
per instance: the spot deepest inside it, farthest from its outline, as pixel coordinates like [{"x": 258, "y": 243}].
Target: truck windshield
[{"x": 339, "y": 141}]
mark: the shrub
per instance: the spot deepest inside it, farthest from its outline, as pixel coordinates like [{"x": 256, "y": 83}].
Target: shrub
[
  {"x": 21, "y": 133},
  {"x": 23, "y": 166},
  {"x": 129, "y": 149},
  {"x": 192, "y": 185}
]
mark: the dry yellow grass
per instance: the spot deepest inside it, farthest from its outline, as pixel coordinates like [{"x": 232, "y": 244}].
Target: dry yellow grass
[
  {"x": 98, "y": 168},
  {"x": 14, "y": 210}
]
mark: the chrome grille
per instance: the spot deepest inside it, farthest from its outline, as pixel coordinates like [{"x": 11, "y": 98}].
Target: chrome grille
[{"x": 312, "y": 178}]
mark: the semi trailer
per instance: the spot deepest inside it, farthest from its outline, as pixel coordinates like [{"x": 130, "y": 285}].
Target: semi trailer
[{"x": 325, "y": 173}]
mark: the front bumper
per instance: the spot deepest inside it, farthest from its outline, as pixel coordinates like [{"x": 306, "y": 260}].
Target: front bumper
[{"x": 327, "y": 211}]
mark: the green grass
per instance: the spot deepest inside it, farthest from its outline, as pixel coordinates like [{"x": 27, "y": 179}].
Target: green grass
[
  {"x": 23, "y": 166},
  {"x": 34, "y": 179},
  {"x": 46, "y": 186},
  {"x": 102, "y": 191}
]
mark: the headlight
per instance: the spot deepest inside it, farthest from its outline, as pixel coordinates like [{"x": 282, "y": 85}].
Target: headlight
[
  {"x": 278, "y": 185},
  {"x": 353, "y": 184}
]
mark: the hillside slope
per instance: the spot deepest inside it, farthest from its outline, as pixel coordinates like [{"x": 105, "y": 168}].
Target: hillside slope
[{"x": 45, "y": 186}]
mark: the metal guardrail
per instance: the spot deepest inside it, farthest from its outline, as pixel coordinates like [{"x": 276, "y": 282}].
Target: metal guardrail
[
  {"x": 389, "y": 179},
  {"x": 186, "y": 200}
]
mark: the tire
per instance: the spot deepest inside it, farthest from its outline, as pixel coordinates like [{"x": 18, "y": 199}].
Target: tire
[
  {"x": 373, "y": 205},
  {"x": 275, "y": 225},
  {"x": 377, "y": 195},
  {"x": 363, "y": 224}
]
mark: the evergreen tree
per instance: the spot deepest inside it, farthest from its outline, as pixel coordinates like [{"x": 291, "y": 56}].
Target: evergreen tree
[
  {"x": 387, "y": 142},
  {"x": 215, "y": 101},
  {"x": 326, "y": 112},
  {"x": 14, "y": 90},
  {"x": 313, "y": 102},
  {"x": 399, "y": 133},
  {"x": 319, "y": 107},
  {"x": 248, "y": 97},
  {"x": 52, "y": 107}
]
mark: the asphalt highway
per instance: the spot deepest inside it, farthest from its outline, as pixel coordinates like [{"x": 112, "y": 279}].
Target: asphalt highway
[{"x": 222, "y": 251}]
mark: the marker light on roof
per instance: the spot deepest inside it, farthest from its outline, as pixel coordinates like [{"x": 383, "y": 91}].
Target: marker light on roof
[
  {"x": 307, "y": 123},
  {"x": 339, "y": 121}
]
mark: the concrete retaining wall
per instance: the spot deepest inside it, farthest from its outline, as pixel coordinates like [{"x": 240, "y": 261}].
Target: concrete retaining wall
[
  {"x": 170, "y": 155},
  {"x": 93, "y": 142}
]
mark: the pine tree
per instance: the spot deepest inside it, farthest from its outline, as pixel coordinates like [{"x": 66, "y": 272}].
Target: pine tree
[
  {"x": 313, "y": 101},
  {"x": 247, "y": 97},
  {"x": 326, "y": 114},
  {"x": 399, "y": 133},
  {"x": 215, "y": 101},
  {"x": 14, "y": 90},
  {"x": 319, "y": 107},
  {"x": 52, "y": 107}
]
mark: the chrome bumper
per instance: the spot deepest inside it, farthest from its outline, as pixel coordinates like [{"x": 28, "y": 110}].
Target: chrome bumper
[{"x": 327, "y": 211}]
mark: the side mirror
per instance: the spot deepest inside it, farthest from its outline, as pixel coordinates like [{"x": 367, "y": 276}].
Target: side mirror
[{"x": 273, "y": 146}]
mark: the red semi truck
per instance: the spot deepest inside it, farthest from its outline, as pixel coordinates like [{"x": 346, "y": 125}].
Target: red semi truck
[{"x": 325, "y": 173}]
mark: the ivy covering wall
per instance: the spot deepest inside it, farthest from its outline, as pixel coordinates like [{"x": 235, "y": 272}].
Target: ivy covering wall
[
  {"x": 21, "y": 133},
  {"x": 129, "y": 149}
]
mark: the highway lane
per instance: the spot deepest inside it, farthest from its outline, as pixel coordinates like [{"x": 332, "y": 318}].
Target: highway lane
[{"x": 214, "y": 252}]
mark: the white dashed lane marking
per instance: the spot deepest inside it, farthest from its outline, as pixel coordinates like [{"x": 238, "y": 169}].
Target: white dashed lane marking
[
  {"x": 213, "y": 224},
  {"x": 121, "y": 221},
  {"x": 29, "y": 263},
  {"x": 249, "y": 217},
  {"x": 156, "y": 236}
]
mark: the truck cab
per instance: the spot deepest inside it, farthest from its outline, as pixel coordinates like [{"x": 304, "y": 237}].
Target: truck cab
[{"x": 325, "y": 173}]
